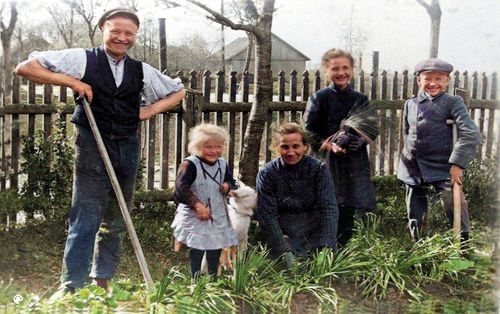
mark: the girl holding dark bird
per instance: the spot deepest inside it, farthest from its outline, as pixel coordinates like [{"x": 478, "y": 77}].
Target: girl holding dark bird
[{"x": 342, "y": 124}]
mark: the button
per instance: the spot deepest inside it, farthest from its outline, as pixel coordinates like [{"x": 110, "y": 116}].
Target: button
[{"x": 420, "y": 118}]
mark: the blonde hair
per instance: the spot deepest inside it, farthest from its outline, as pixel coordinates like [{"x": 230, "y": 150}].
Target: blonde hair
[
  {"x": 336, "y": 53},
  {"x": 289, "y": 128},
  {"x": 201, "y": 134}
]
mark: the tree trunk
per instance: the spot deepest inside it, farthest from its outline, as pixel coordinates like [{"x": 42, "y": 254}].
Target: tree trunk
[
  {"x": 435, "y": 25},
  {"x": 7, "y": 73},
  {"x": 249, "y": 163},
  {"x": 434, "y": 11},
  {"x": 248, "y": 56}
]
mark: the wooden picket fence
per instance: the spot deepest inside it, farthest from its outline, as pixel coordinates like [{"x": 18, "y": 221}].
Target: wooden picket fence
[{"x": 228, "y": 104}]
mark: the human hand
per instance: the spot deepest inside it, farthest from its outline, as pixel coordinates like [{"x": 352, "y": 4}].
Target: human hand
[
  {"x": 82, "y": 89},
  {"x": 147, "y": 113},
  {"x": 356, "y": 142},
  {"x": 456, "y": 174},
  {"x": 336, "y": 149},
  {"x": 342, "y": 139},
  {"x": 203, "y": 212},
  {"x": 224, "y": 187}
]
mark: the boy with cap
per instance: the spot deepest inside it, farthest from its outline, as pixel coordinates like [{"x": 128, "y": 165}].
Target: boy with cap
[
  {"x": 430, "y": 157},
  {"x": 114, "y": 84}
]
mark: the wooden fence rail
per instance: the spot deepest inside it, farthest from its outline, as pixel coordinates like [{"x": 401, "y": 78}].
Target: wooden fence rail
[{"x": 224, "y": 103}]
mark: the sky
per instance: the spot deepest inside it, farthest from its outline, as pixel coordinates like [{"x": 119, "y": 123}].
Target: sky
[{"x": 398, "y": 29}]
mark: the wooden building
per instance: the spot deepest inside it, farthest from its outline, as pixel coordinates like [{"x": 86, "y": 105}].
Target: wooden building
[{"x": 284, "y": 57}]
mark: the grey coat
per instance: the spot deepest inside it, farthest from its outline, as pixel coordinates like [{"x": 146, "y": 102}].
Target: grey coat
[{"x": 429, "y": 150}]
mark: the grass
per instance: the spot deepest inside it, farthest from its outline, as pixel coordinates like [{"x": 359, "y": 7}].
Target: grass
[{"x": 377, "y": 271}]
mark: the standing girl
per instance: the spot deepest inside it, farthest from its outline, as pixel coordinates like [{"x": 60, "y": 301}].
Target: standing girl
[
  {"x": 347, "y": 156},
  {"x": 204, "y": 178}
]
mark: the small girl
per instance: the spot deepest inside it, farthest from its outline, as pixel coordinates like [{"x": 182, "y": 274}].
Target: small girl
[{"x": 204, "y": 178}]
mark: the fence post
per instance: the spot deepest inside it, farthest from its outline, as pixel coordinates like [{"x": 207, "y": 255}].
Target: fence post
[
  {"x": 415, "y": 84},
  {"x": 220, "y": 94},
  {"x": 179, "y": 136},
  {"x": 474, "y": 85},
  {"x": 151, "y": 144},
  {"x": 47, "y": 117},
  {"x": 317, "y": 81},
  {"x": 31, "y": 101},
  {"x": 165, "y": 150},
  {"x": 15, "y": 136},
  {"x": 232, "y": 120},
  {"x": 362, "y": 82},
  {"x": 305, "y": 85},
  {"x": 207, "y": 88},
  {"x": 404, "y": 85},
  {"x": 466, "y": 80},
  {"x": 63, "y": 98},
  {"x": 494, "y": 86},
  {"x": 456, "y": 80},
  {"x": 484, "y": 86},
  {"x": 281, "y": 93},
  {"x": 394, "y": 95},
  {"x": 293, "y": 92},
  {"x": 491, "y": 117},
  {"x": 384, "y": 85},
  {"x": 187, "y": 120},
  {"x": 373, "y": 94}
]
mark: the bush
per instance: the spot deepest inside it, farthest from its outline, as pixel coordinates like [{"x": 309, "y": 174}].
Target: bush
[
  {"x": 152, "y": 221},
  {"x": 480, "y": 188},
  {"x": 48, "y": 165},
  {"x": 10, "y": 204}
]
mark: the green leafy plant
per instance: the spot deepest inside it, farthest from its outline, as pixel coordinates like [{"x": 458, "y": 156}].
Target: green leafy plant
[{"x": 48, "y": 166}]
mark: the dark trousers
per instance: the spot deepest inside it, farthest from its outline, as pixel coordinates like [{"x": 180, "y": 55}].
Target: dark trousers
[
  {"x": 95, "y": 221},
  {"x": 347, "y": 214},
  {"x": 196, "y": 257},
  {"x": 417, "y": 204}
]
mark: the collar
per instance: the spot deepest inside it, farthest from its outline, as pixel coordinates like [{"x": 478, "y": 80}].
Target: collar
[
  {"x": 292, "y": 167},
  {"x": 423, "y": 96},
  {"x": 111, "y": 59},
  {"x": 206, "y": 161},
  {"x": 336, "y": 89}
]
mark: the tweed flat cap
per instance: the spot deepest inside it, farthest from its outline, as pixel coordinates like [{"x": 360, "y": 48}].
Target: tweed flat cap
[
  {"x": 122, "y": 12},
  {"x": 433, "y": 64}
]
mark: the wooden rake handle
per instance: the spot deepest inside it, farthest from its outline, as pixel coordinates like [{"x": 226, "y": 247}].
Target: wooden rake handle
[{"x": 457, "y": 190}]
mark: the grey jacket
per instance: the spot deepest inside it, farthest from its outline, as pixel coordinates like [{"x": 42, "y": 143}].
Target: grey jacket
[{"x": 429, "y": 150}]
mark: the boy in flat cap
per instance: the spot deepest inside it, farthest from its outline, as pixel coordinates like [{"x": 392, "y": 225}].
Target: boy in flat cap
[
  {"x": 430, "y": 158},
  {"x": 115, "y": 85}
]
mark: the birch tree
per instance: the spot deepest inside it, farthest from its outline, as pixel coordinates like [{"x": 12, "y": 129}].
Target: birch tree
[
  {"x": 434, "y": 11},
  {"x": 7, "y": 26},
  {"x": 261, "y": 30}
]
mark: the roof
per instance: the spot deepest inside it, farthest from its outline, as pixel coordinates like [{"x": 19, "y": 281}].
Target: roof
[{"x": 240, "y": 44}]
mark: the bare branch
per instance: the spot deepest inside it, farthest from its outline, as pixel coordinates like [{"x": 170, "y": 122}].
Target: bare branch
[
  {"x": 219, "y": 18},
  {"x": 424, "y": 4}
]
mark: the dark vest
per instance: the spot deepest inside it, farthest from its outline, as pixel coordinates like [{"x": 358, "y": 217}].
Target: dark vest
[{"x": 116, "y": 109}]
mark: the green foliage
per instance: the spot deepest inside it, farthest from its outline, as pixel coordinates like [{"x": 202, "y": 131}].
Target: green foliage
[
  {"x": 10, "y": 203},
  {"x": 377, "y": 262},
  {"x": 480, "y": 188},
  {"x": 152, "y": 222},
  {"x": 48, "y": 165}
]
